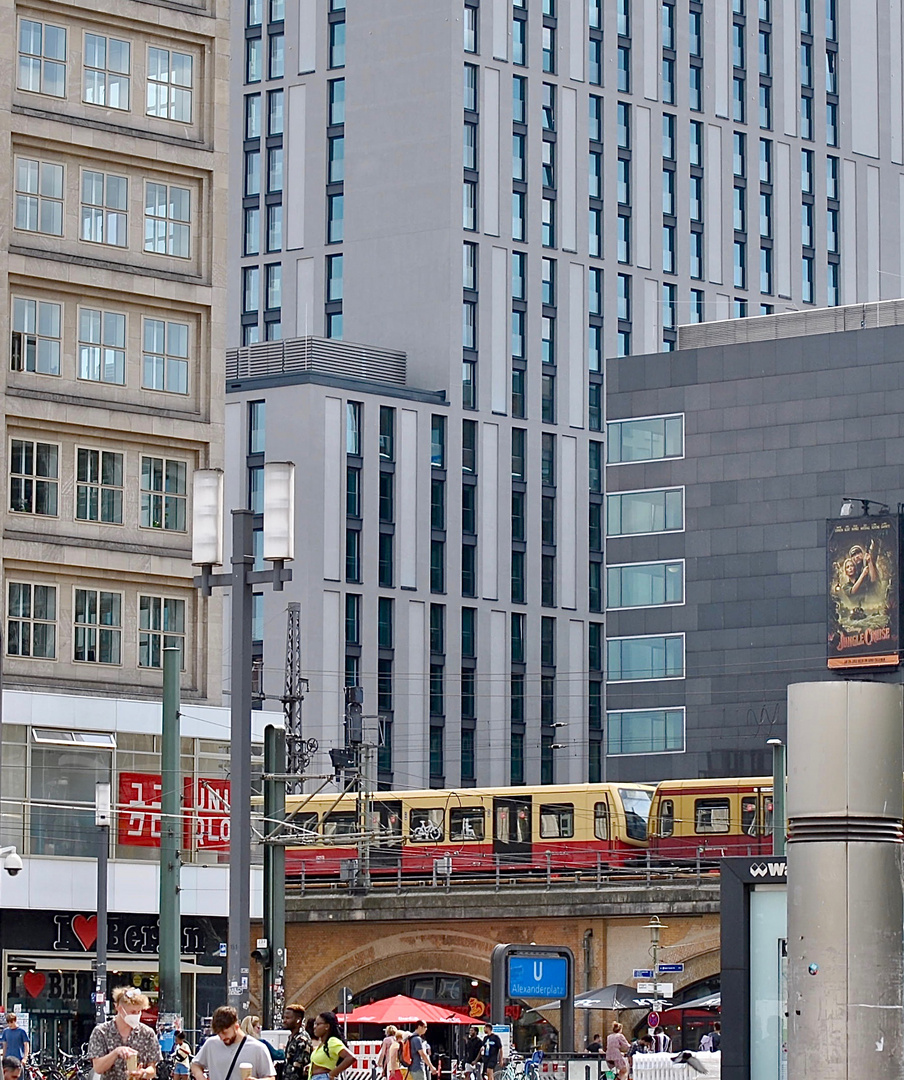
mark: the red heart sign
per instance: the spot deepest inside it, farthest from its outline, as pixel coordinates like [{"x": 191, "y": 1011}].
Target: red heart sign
[
  {"x": 85, "y": 929},
  {"x": 34, "y": 982}
]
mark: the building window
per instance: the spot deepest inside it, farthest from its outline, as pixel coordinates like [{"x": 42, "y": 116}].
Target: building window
[
  {"x": 163, "y": 494},
  {"x": 274, "y": 227},
  {"x": 165, "y": 356},
  {"x": 36, "y": 336},
  {"x": 42, "y": 58},
  {"x": 437, "y": 566},
  {"x": 645, "y": 584},
  {"x": 384, "y": 622},
  {"x": 436, "y": 733},
  {"x": 595, "y": 62},
  {"x": 353, "y": 422},
  {"x": 167, "y": 220},
  {"x": 548, "y": 459},
  {"x": 34, "y": 474},
  {"x": 468, "y": 384},
  {"x": 337, "y": 102},
  {"x": 437, "y": 628},
  {"x": 31, "y": 621},
  {"x": 548, "y": 222},
  {"x": 469, "y": 42},
  {"x": 467, "y": 754},
  {"x": 97, "y": 627},
  {"x": 651, "y": 439},
  {"x": 169, "y": 85},
  {"x": 468, "y": 570},
  {"x": 107, "y": 67},
  {"x": 161, "y": 625},
  {"x": 98, "y": 486},
  {"x": 636, "y": 512},
  {"x": 335, "y": 231},
  {"x": 352, "y": 555},
  {"x": 645, "y": 731},
  {"x": 277, "y": 58},
  {"x": 39, "y": 196},
  {"x": 254, "y": 60},
  {"x": 337, "y": 45},
  {"x": 105, "y": 205},
  {"x": 637, "y": 659},
  {"x": 517, "y": 577}
]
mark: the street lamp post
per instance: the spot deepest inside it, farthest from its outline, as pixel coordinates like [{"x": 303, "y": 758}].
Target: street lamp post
[{"x": 207, "y": 552}]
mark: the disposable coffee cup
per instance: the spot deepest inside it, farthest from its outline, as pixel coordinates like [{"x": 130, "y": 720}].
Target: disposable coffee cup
[
  {"x": 245, "y": 1069},
  {"x": 132, "y": 1062}
]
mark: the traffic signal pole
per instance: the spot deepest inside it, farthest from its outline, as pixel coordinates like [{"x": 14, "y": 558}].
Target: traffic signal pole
[{"x": 274, "y": 953}]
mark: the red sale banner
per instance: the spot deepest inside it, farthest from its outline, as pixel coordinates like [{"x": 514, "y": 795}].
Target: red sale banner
[
  {"x": 210, "y": 820},
  {"x": 139, "y": 809},
  {"x": 205, "y": 809}
]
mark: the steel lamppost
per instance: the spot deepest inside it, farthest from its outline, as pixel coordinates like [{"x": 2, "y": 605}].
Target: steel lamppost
[{"x": 207, "y": 552}]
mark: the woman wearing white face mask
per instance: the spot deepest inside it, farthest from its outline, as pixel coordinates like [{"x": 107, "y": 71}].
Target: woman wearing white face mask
[{"x": 113, "y": 1043}]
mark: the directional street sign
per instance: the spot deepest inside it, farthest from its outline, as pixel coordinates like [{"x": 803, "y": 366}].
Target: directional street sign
[
  {"x": 670, "y": 969},
  {"x": 644, "y": 973},
  {"x": 646, "y": 988}
]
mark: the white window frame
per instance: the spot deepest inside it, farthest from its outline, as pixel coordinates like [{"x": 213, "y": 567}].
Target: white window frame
[
  {"x": 641, "y": 491},
  {"x": 36, "y": 336},
  {"x": 102, "y": 217},
  {"x": 103, "y": 348},
  {"x": 30, "y": 620},
  {"x": 651, "y": 562},
  {"x": 168, "y": 361},
  {"x": 162, "y": 228},
  {"x": 34, "y": 476},
  {"x": 42, "y": 59},
  {"x": 102, "y": 75},
  {"x": 648, "y": 637},
  {"x": 639, "y": 419},
  {"x": 162, "y": 494},
  {"x": 160, "y": 631},
  {"x": 26, "y": 196},
  {"x": 99, "y": 484},
  {"x": 643, "y": 753},
  {"x": 96, "y": 627},
  {"x": 166, "y": 104}
]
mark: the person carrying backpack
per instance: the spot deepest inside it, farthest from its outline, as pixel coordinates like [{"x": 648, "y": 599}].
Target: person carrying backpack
[{"x": 413, "y": 1055}]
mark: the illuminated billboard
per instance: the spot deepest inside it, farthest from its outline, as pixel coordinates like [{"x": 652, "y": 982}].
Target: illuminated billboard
[{"x": 863, "y": 586}]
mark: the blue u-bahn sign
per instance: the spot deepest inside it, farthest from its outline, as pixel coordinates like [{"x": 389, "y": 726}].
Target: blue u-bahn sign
[{"x": 538, "y": 976}]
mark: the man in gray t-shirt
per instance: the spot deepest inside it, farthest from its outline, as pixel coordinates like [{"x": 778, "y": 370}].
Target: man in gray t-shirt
[{"x": 230, "y": 1046}]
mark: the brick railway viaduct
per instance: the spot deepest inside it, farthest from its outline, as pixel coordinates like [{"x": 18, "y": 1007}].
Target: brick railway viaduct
[{"x": 336, "y": 939}]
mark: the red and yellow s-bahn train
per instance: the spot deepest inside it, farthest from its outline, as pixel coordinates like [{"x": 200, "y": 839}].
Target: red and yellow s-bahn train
[
  {"x": 563, "y": 827},
  {"x": 710, "y": 818}
]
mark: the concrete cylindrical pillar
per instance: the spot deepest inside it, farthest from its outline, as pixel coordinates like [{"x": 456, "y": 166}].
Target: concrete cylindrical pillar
[{"x": 845, "y": 907}]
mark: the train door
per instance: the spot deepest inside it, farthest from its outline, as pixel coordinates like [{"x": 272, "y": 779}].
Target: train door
[
  {"x": 767, "y": 822},
  {"x": 387, "y": 826},
  {"x": 512, "y": 829}
]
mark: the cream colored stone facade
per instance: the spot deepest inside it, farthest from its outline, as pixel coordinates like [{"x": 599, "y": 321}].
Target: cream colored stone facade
[{"x": 113, "y": 144}]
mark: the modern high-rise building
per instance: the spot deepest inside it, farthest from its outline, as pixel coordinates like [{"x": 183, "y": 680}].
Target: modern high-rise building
[
  {"x": 507, "y": 192},
  {"x": 114, "y": 122}
]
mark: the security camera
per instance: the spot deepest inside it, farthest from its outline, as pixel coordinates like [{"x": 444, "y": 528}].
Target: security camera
[{"x": 12, "y": 864}]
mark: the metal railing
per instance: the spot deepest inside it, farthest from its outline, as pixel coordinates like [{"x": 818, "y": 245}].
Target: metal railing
[{"x": 327, "y": 356}]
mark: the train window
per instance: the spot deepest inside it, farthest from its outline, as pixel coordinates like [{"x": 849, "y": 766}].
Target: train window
[
  {"x": 466, "y": 823},
  {"x": 557, "y": 820},
  {"x": 513, "y": 823},
  {"x": 601, "y": 821},
  {"x": 748, "y": 815},
  {"x": 425, "y": 825},
  {"x": 303, "y": 827},
  {"x": 341, "y": 823},
  {"x": 666, "y": 817},
  {"x": 767, "y": 815},
  {"x": 712, "y": 816},
  {"x": 636, "y": 802}
]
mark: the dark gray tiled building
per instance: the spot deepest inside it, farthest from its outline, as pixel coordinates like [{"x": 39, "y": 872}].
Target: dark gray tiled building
[{"x": 743, "y": 450}]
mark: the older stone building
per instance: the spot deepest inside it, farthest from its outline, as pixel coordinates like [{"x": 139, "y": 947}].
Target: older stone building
[{"x": 114, "y": 130}]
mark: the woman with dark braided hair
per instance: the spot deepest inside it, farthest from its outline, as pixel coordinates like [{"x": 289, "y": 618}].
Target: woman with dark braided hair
[{"x": 330, "y": 1056}]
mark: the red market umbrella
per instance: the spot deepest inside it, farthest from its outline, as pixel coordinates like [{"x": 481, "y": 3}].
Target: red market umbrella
[{"x": 404, "y": 1010}]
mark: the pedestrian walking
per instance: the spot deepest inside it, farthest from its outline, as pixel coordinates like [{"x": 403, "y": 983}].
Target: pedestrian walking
[
  {"x": 182, "y": 1054},
  {"x": 330, "y": 1055},
  {"x": 298, "y": 1048},
  {"x": 418, "y": 1057},
  {"x": 113, "y": 1044},
  {"x": 616, "y": 1045},
  {"x": 14, "y": 1040},
  {"x": 389, "y": 1033},
  {"x": 222, "y": 1057}
]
